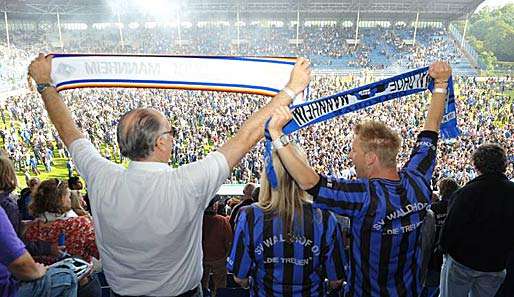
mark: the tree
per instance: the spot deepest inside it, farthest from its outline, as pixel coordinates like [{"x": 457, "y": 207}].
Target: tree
[{"x": 491, "y": 32}]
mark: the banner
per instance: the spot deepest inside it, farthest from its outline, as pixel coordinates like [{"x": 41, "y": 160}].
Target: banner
[
  {"x": 320, "y": 110},
  {"x": 254, "y": 75}
]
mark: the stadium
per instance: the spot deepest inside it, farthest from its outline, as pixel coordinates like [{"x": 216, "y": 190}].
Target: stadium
[{"x": 157, "y": 212}]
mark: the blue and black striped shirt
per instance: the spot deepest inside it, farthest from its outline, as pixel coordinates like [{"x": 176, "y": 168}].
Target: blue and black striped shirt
[
  {"x": 385, "y": 252},
  {"x": 280, "y": 264}
]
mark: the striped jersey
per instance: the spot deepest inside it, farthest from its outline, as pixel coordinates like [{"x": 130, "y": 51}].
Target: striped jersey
[
  {"x": 385, "y": 247},
  {"x": 293, "y": 264}
]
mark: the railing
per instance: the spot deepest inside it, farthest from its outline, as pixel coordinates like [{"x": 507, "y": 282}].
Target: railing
[{"x": 466, "y": 47}]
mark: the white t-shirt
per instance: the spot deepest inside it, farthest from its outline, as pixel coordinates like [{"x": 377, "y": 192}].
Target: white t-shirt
[{"x": 148, "y": 219}]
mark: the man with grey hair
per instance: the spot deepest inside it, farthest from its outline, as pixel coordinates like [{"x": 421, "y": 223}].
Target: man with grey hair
[
  {"x": 148, "y": 217},
  {"x": 477, "y": 236}
]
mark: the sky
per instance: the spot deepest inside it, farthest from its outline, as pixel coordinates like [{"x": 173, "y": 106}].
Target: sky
[{"x": 494, "y": 3}]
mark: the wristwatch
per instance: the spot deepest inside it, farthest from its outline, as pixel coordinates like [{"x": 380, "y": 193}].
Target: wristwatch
[
  {"x": 43, "y": 86},
  {"x": 280, "y": 142}
]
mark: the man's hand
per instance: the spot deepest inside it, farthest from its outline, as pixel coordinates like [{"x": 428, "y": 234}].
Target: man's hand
[
  {"x": 279, "y": 118},
  {"x": 40, "y": 69},
  {"x": 300, "y": 76},
  {"x": 440, "y": 71}
]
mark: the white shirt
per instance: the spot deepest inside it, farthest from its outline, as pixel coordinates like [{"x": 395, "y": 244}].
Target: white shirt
[{"x": 148, "y": 219}]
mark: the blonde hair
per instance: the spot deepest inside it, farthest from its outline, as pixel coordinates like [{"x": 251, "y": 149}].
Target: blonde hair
[
  {"x": 378, "y": 138},
  {"x": 288, "y": 198}
]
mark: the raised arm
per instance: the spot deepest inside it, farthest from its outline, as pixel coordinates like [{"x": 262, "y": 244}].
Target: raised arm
[
  {"x": 252, "y": 130},
  {"x": 301, "y": 172},
  {"x": 58, "y": 112},
  {"x": 440, "y": 72}
]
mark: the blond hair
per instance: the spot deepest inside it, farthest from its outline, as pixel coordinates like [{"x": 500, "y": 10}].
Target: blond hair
[
  {"x": 378, "y": 138},
  {"x": 288, "y": 198}
]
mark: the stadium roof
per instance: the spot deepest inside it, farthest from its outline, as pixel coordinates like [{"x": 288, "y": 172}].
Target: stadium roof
[{"x": 96, "y": 10}]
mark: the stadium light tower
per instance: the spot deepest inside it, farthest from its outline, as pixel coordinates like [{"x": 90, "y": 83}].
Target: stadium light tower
[{"x": 7, "y": 30}]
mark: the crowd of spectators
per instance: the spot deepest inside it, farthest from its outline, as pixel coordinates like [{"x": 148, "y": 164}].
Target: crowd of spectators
[
  {"x": 326, "y": 46},
  {"x": 205, "y": 119}
]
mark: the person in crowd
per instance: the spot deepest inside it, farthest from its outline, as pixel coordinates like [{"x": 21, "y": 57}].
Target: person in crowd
[
  {"x": 21, "y": 276},
  {"x": 216, "y": 240},
  {"x": 25, "y": 198},
  {"x": 77, "y": 203},
  {"x": 8, "y": 183},
  {"x": 54, "y": 217},
  {"x": 246, "y": 200},
  {"x": 148, "y": 216},
  {"x": 428, "y": 240},
  {"x": 283, "y": 246},
  {"x": 386, "y": 206},
  {"x": 477, "y": 237},
  {"x": 74, "y": 183},
  {"x": 447, "y": 186},
  {"x": 70, "y": 167},
  {"x": 231, "y": 204},
  {"x": 51, "y": 206},
  {"x": 434, "y": 256},
  {"x": 489, "y": 117}
]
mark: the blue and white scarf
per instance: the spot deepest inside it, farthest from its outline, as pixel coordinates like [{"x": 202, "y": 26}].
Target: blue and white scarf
[{"x": 395, "y": 87}]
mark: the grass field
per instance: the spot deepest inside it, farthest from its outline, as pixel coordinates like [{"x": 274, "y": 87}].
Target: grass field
[{"x": 58, "y": 169}]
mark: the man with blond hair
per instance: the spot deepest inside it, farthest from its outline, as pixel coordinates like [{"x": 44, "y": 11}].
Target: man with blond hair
[{"x": 386, "y": 206}]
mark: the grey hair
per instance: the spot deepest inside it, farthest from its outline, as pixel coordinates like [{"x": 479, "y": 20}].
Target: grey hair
[
  {"x": 136, "y": 137},
  {"x": 490, "y": 158}
]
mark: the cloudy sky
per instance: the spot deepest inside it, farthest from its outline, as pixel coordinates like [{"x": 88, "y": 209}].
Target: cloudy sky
[{"x": 494, "y": 3}]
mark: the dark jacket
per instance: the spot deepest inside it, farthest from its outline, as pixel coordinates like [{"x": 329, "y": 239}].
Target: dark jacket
[
  {"x": 427, "y": 243},
  {"x": 235, "y": 211},
  {"x": 479, "y": 229}
]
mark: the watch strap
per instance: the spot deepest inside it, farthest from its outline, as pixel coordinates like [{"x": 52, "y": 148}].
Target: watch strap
[{"x": 43, "y": 86}]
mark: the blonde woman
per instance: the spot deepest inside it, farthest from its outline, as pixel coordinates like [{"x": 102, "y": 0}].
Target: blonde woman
[{"x": 282, "y": 245}]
